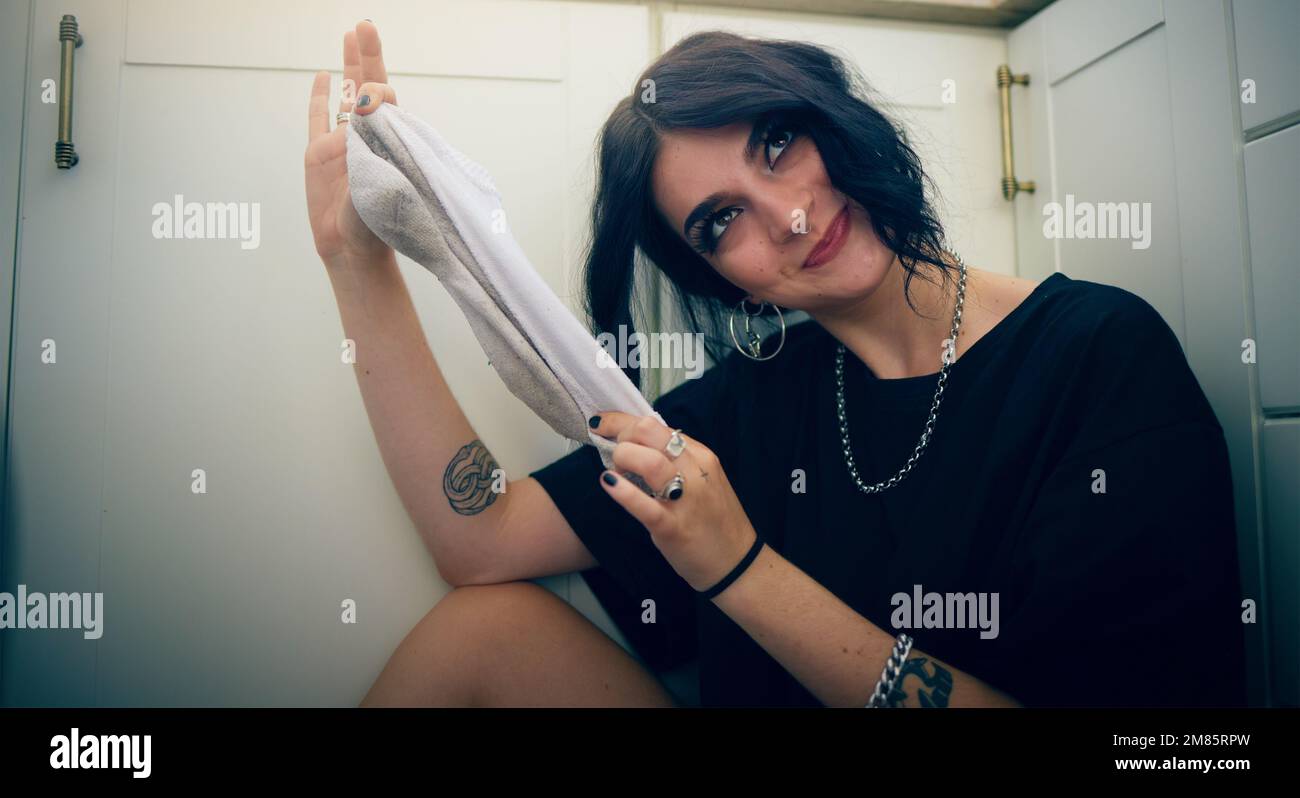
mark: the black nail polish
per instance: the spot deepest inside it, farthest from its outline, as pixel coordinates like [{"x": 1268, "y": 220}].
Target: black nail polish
[
  {"x": 364, "y": 101},
  {"x": 609, "y": 478},
  {"x": 594, "y": 421}
]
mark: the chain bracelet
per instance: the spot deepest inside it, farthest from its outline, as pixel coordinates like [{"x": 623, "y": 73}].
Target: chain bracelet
[{"x": 894, "y": 665}]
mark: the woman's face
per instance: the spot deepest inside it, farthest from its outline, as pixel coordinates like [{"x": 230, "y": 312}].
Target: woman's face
[{"x": 756, "y": 222}]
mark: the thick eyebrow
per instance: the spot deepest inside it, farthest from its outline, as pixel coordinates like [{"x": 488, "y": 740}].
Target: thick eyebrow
[{"x": 706, "y": 205}]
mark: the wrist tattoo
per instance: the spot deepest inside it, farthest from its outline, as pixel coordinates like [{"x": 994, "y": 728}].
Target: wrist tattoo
[
  {"x": 468, "y": 479},
  {"x": 939, "y": 683}
]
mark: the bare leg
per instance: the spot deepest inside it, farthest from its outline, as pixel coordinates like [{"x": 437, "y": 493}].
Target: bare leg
[{"x": 512, "y": 644}]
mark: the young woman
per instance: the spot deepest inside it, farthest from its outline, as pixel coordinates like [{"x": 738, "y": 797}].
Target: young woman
[{"x": 946, "y": 487}]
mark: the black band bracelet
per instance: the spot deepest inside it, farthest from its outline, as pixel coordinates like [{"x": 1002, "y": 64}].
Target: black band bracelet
[{"x": 735, "y": 572}]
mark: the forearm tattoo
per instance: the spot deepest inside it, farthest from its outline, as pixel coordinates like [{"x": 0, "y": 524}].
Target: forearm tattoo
[
  {"x": 468, "y": 479},
  {"x": 939, "y": 683}
]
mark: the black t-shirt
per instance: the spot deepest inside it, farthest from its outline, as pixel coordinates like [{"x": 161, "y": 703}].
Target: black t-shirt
[{"x": 1076, "y": 470}]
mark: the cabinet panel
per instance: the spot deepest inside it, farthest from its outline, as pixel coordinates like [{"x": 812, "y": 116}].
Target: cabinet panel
[
  {"x": 1079, "y": 33},
  {"x": 1266, "y": 32},
  {"x": 1281, "y": 445},
  {"x": 1272, "y": 197}
]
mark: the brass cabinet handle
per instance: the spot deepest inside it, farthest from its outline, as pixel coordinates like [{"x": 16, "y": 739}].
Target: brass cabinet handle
[
  {"x": 65, "y": 154},
  {"x": 1009, "y": 183}
]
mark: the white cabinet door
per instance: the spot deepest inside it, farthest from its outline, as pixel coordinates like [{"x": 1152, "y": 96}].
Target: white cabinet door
[
  {"x": 180, "y": 354},
  {"x": 1135, "y": 101},
  {"x": 1273, "y": 203},
  {"x": 1267, "y": 64},
  {"x": 1265, "y": 32}
]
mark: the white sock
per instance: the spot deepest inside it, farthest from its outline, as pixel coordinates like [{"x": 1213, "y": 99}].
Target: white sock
[{"x": 436, "y": 206}]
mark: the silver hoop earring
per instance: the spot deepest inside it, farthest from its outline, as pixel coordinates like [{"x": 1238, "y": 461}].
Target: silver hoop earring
[{"x": 754, "y": 345}]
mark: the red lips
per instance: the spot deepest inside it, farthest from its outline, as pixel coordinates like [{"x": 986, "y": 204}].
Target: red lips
[{"x": 831, "y": 242}]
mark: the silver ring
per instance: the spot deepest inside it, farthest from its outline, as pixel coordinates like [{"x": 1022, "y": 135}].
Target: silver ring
[
  {"x": 674, "y": 489},
  {"x": 676, "y": 445},
  {"x": 342, "y": 116}
]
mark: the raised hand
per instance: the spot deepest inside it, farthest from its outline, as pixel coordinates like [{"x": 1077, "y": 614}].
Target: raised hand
[{"x": 337, "y": 230}]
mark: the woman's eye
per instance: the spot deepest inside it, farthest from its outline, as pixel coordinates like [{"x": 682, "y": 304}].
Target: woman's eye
[
  {"x": 714, "y": 233},
  {"x": 785, "y": 136}
]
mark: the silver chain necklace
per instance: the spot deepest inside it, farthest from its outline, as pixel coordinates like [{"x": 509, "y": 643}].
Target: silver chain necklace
[{"x": 950, "y": 348}]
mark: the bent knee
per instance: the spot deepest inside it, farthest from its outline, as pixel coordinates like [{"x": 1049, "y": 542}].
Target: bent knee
[
  {"x": 497, "y": 596},
  {"x": 484, "y": 609}
]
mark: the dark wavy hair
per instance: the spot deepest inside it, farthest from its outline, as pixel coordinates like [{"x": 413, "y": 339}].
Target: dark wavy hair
[{"x": 713, "y": 79}]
